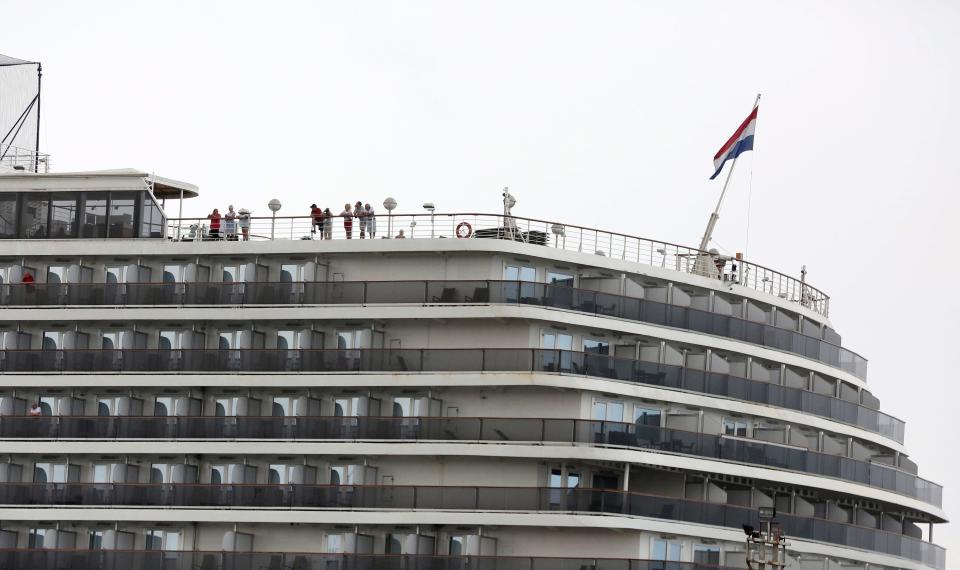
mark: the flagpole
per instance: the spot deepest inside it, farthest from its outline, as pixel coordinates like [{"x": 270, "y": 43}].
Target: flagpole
[{"x": 716, "y": 212}]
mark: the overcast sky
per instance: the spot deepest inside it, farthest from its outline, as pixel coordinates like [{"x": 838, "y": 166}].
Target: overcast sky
[{"x": 604, "y": 114}]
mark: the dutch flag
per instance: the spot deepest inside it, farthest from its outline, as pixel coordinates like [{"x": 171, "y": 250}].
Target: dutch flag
[{"x": 741, "y": 141}]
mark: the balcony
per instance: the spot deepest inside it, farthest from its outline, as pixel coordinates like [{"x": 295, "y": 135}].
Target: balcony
[
  {"x": 513, "y": 499},
  {"x": 520, "y": 430},
  {"x": 450, "y": 360},
  {"x": 224, "y": 560},
  {"x": 434, "y": 293}
]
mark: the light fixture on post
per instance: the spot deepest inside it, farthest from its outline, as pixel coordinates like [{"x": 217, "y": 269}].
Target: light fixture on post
[
  {"x": 559, "y": 232},
  {"x": 389, "y": 205},
  {"x": 663, "y": 257},
  {"x": 428, "y": 206},
  {"x": 274, "y": 206}
]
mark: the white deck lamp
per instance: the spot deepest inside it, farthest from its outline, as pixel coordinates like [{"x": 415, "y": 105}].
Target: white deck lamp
[
  {"x": 389, "y": 205},
  {"x": 274, "y": 206},
  {"x": 559, "y": 232},
  {"x": 428, "y": 206}
]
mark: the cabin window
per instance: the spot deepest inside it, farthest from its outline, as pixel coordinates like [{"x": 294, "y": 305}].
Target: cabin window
[
  {"x": 33, "y": 217},
  {"x": 94, "y": 221},
  {"x": 63, "y": 216}
]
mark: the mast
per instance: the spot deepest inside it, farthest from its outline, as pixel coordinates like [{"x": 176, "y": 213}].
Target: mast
[
  {"x": 716, "y": 211},
  {"x": 36, "y": 151}
]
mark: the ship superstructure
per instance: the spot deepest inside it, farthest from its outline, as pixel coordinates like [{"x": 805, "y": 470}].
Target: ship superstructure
[{"x": 488, "y": 391}]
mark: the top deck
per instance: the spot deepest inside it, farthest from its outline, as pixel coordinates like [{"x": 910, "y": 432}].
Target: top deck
[
  {"x": 96, "y": 205},
  {"x": 545, "y": 233}
]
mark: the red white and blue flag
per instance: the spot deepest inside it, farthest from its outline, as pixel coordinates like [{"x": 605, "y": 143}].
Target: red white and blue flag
[{"x": 741, "y": 141}]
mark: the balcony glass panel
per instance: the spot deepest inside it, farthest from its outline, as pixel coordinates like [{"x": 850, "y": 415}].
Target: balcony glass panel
[
  {"x": 171, "y": 358},
  {"x": 352, "y": 421},
  {"x": 563, "y": 498},
  {"x": 521, "y": 292}
]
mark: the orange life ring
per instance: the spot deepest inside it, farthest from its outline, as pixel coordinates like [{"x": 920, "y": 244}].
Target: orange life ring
[{"x": 464, "y": 226}]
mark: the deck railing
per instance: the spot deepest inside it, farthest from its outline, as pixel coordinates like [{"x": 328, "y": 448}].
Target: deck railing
[
  {"x": 18, "y": 159},
  {"x": 568, "y": 237},
  {"x": 440, "y": 292},
  {"x": 517, "y": 430},
  {"x": 461, "y": 498},
  {"x": 413, "y": 360},
  {"x": 103, "y": 559}
]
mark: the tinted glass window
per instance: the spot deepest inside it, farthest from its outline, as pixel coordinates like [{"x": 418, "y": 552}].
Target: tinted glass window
[
  {"x": 63, "y": 216},
  {"x": 646, "y": 416},
  {"x": 36, "y": 538},
  {"x": 596, "y": 346},
  {"x": 94, "y": 221},
  {"x": 8, "y": 215},
  {"x": 512, "y": 273},
  {"x": 154, "y": 540},
  {"x": 151, "y": 219},
  {"x": 96, "y": 540},
  {"x": 706, "y": 554},
  {"x": 393, "y": 545},
  {"x": 289, "y": 272},
  {"x": 560, "y": 279},
  {"x": 33, "y": 217},
  {"x": 122, "y": 208}
]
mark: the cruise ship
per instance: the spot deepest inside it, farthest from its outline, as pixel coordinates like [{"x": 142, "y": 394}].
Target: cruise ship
[{"x": 489, "y": 392}]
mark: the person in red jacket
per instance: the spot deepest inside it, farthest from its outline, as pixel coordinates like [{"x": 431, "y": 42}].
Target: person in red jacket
[
  {"x": 214, "y": 224},
  {"x": 316, "y": 220}
]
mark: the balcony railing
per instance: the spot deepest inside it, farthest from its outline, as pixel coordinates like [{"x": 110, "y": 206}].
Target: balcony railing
[
  {"x": 645, "y": 251},
  {"x": 451, "y": 360},
  {"x": 435, "y": 292},
  {"x": 43, "y": 559},
  {"x": 461, "y": 498},
  {"x": 517, "y": 430}
]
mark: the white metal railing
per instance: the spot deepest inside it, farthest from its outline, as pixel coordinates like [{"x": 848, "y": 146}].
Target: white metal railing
[
  {"x": 539, "y": 232},
  {"x": 17, "y": 159}
]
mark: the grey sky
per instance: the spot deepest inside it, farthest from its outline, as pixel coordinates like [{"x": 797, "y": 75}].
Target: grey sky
[{"x": 603, "y": 114}]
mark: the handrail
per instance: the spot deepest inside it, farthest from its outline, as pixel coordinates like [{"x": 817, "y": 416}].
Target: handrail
[
  {"x": 534, "y": 231},
  {"x": 639, "y": 371},
  {"x": 77, "y": 559},
  {"x": 461, "y": 498},
  {"x": 19, "y": 159},
  {"x": 499, "y": 429},
  {"x": 438, "y": 292}
]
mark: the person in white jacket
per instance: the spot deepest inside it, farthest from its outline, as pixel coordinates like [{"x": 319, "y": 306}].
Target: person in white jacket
[{"x": 371, "y": 220}]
